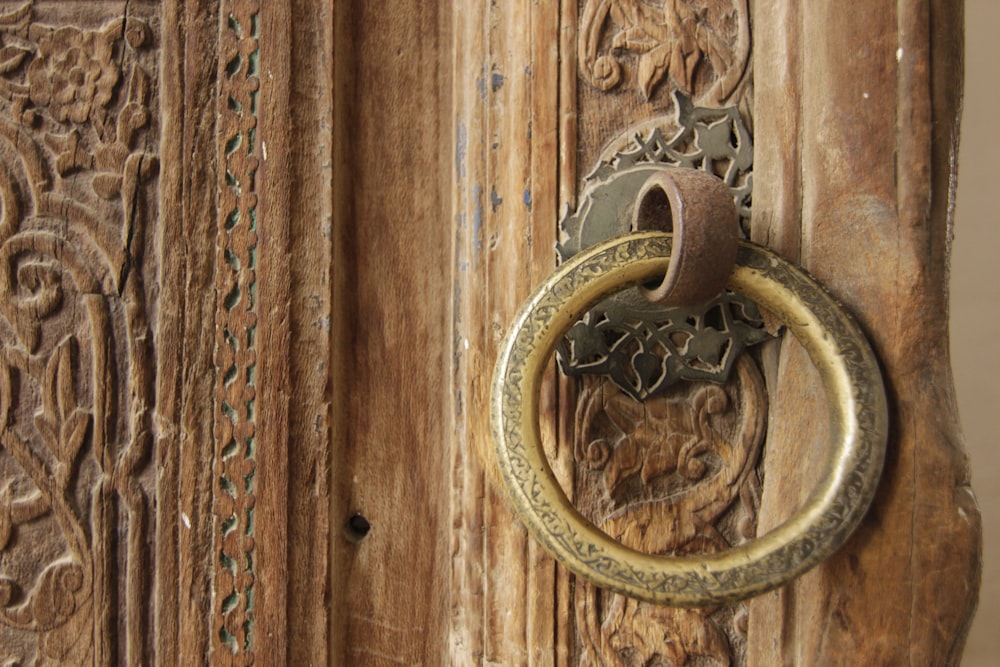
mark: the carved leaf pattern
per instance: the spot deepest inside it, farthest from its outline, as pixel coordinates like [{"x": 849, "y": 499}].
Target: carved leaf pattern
[
  {"x": 61, "y": 422},
  {"x": 17, "y": 18},
  {"x": 674, "y": 474},
  {"x": 670, "y": 38},
  {"x": 11, "y": 57},
  {"x": 690, "y": 636},
  {"x": 76, "y": 147},
  {"x": 651, "y": 445}
]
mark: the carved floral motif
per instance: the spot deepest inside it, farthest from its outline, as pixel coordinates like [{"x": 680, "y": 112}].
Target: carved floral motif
[
  {"x": 74, "y": 74},
  {"x": 702, "y": 46},
  {"x": 76, "y": 165}
]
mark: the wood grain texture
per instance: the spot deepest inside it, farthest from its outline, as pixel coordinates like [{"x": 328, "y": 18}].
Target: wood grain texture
[
  {"x": 506, "y": 604},
  {"x": 391, "y": 330},
  {"x": 237, "y": 445},
  {"x": 440, "y": 226},
  {"x": 298, "y": 134},
  {"x": 185, "y": 375},
  {"x": 79, "y": 247},
  {"x": 404, "y": 171},
  {"x": 876, "y": 94}
]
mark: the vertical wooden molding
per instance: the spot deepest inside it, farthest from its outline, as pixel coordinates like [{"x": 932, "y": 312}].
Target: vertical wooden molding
[
  {"x": 505, "y": 590},
  {"x": 234, "y": 581},
  {"x": 275, "y": 214},
  {"x": 273, "y": 272},
  {"x": 297, "y": 127},
  {"x": 876, "y": 94},
  {"x": 391, "y": 450},
  {"x": 185, "y": 332}
]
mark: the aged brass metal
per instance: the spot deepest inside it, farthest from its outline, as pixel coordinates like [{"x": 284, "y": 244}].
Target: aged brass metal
[{"x": 858, "y": 429}]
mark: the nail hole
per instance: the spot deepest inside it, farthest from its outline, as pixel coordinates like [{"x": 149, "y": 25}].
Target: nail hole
[{"x": 357, "y": 528}]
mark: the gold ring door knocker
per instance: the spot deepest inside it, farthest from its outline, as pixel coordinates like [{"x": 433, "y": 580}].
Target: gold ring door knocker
[{"x": 841, "y": 354}]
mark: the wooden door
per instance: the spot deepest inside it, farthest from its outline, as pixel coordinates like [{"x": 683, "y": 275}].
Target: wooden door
[{"x": 257, "y": 262}]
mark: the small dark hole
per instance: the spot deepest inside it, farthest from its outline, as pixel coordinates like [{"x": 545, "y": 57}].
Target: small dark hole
[
  {"x": 715, "y": 319},
  {"x": 357, "y": 528}
]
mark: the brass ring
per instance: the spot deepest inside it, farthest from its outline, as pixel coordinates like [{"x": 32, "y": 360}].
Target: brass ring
[{"x": 858, "y": 430}]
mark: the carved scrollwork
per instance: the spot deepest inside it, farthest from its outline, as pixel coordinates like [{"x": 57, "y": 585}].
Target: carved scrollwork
[
  {"x": 77, "y": 157},
  {"x": 702, "y": 46},
  {"x": 675, "y": 474}
]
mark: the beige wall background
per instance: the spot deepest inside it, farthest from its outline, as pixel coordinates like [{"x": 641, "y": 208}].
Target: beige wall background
[{"x": 975, "y": 306}]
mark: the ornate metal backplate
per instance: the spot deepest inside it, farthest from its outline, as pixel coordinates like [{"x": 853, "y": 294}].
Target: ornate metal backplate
[{"x": 641, "y": 346}]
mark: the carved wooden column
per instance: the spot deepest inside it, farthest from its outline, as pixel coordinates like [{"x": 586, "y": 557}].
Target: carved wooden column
[{"x": 147, "y": 308}]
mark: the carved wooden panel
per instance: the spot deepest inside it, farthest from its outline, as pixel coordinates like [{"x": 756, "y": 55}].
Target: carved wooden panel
[
  {"x": 78, "y": 284},
  {"x": 674, "y": 474},
  {"x": 632, "y": 55},
  {"x": 130, "y": 513},
  {"x": 620, "y": 64},
  {"x": 224, "y": 225},
  {"x": 702, "y": 48},
  {"x": 659, "y": 475}
]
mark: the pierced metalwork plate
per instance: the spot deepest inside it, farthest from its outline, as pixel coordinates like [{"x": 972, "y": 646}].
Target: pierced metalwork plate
[
  {"x": 643, "y": 347},
  {"x": 644, "y": 352}
]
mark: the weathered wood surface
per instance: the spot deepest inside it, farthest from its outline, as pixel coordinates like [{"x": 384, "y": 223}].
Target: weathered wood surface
[
  {"x": 79, "y": 301},
  {"x": 509, "y": 602},
  {"x": 185, "y": 366},
  {"x": 880, "y": 243},
  {"x": 210, "y": 371},
  {"x": 855, "y": 179},
  {"x": 391, "y": 334}
]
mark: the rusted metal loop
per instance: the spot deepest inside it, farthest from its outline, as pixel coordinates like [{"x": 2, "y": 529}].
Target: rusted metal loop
[{"x": 698, "y": 209}]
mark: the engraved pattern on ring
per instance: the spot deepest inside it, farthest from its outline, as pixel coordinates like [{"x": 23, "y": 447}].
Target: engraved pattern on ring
[{"x": 858, "y": 433}]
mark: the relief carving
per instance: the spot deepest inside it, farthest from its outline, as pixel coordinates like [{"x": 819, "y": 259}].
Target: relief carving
[
  {"x": 675, "y": 474},
  {"x": 701, "y": 46},
  {"x": 678, "y": 472},
  {"x": 77, "y": 160},
  {"x": 236, "y": 324}
]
